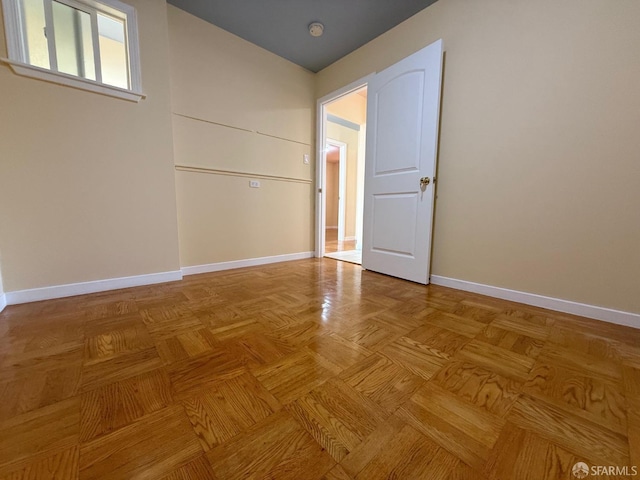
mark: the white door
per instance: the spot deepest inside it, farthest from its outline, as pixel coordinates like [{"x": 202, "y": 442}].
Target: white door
[{"x": 403, "y": 111}]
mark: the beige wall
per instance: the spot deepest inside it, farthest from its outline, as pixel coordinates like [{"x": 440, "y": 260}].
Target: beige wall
[
  {"x": 239, "y": 109},
  {"x": 352, "y": 107},
  {"x": 350, "y": 137},
  {"x": 1, "y": 285},
  {"x": 87, "y": 181},
  {"x": 538, "y": 168},
  {"x": 333, "y": 193}
]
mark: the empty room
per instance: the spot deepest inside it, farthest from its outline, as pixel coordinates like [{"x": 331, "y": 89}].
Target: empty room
[{"x": 319, "y": 239}]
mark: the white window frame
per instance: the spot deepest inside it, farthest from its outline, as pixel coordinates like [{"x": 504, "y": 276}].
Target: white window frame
[{"x": 18, "y": 54}]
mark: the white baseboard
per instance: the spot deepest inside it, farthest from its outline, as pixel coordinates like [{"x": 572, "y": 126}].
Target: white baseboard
[
  {"x": 249, "y": 262},
  {"x": 599, "y": 313},
  {"x": 60, "y": 291}
]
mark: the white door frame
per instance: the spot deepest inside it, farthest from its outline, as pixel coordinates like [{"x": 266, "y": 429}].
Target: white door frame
[
  {"x": 362, "y": 135},
  {"x": 321, "y": 141},
  {"x": 342, "y": 186}
]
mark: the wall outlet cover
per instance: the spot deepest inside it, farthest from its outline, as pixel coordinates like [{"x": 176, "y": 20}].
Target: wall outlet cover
[{"x": 254, "y": 183}]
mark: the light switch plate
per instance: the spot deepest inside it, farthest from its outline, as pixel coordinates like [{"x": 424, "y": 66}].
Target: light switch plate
[{"x": 305, "y": 159}]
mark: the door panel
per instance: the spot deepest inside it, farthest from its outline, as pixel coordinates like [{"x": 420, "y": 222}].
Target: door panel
[
  {"x": 394, "y": 222},
  {"x": 403, "y": 111},
  {"x": 398, "y": 123}
]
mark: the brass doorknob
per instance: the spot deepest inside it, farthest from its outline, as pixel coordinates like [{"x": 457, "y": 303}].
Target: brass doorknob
[{"x": 424, "y": 181}]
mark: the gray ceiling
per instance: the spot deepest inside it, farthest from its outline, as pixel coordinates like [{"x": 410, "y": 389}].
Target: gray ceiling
[{"x": 281, "y": 26}]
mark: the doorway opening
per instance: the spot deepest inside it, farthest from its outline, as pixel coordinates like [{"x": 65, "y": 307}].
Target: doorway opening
[
  {"x": 342, "y": 135},
  {"x": 393, "y": 228},
  {"x": 335, "y": 194}
]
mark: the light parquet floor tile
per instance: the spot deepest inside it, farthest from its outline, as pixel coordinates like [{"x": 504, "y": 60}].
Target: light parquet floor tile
[
  {"x": 33, "y": 388},
  {"x": 119, "y": 368},
  {"x": 110, "y": 344},
  {"x": 438, "y": 338},
  {"x": 524, "y": 455},
  {"x": 257, "y": 349},
  {"x": 371, "y": 336},
  {"x": 415, "y": 357},
  {"x": 467, "y": 431},
  {"x": 381, "y": 380},
  {"x": 337, "y": 417},
  {"x": 460, "y": 325},
  {"x": 277, "y": 447},
  {"x": 337, "y": 473},
  {"x": 198, "y": 469},
  {"x": 409, "y": 455},
  {"x": 294, "y": 375},
  {"x": 479, "y": 386},
  {"x": 474, "y": 311},
  {"x": 186, "y": 345},
  {"x": 311, "y": 369},
  {"x": 336, "y": 350},
  {"x": 228, "y": 408},
  {"x": 53, "y": 427},
  {"x": 118, "y": 404},
  {"x": 62, "y": 465},
  {"x": 596, "y": 399},
  {"x": 576, "y": 434},
  {"x": 499, "y": 360},
  {"x": 194, "y": 375},
  {"x": 511, "y": 341},
  {"x": 148, "y": 448},
  {"x": 372, "y": 446}
]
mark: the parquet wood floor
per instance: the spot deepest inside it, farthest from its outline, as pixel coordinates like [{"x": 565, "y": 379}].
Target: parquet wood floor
[
  {"x": 311, "y": 370},
  {"x": 331, "y": 243}
]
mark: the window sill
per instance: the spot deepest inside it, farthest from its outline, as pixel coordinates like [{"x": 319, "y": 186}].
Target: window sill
[{"x": 31, "y": 71}]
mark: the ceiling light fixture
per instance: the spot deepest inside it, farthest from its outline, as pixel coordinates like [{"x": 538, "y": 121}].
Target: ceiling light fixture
[{"x": 316, "y": 29}]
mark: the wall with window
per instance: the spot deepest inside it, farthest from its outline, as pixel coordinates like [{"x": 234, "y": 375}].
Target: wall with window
[
  {"x": 240, "y": 113},
  {"x": 538, "y": 169},
  {"x": 87, "y": 187}
]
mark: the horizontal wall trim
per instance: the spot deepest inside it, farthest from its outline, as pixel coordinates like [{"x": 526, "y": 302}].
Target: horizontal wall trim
[
  {"x": 343, "y": 122},
  {"x": 70, "y": 290},
  {"x": 3, "y": 301},
  {"x": 232, "y": 173},
  {"x": 283, "y": 138},
  {"x": 618, "y": 317},
  {"x": 249, "y": 262},
  {"x": 257, "y": 132},
  {"x": 212, "y": 122}
]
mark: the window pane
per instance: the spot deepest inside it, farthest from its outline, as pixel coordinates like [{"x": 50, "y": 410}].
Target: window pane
[
  {"x": 35, "y": 37},
  {"x": 113, "y": 51},
  {"x": 74, "y": 44}
]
